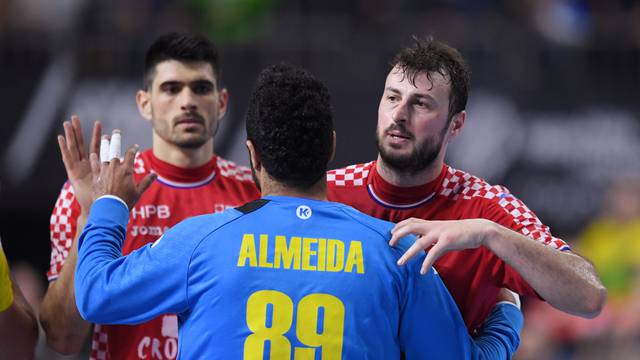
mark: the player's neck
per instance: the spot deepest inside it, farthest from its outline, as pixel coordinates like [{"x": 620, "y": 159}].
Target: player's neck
[
  {"x": 180, "y": 156},
  {"x": 317, "y": 191},
  {"x": 405, "y": 179}
]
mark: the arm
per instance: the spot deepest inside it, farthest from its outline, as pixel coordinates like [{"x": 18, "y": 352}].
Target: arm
[
  {"x": 18, "y": 325},
  {"x": 115, "y": 289},
  {"x": 65, "y": 330},
  {"x": 432, "y": 327},
  {"x": 152, "y": 275},
  {"x": 565, "y": 280}
]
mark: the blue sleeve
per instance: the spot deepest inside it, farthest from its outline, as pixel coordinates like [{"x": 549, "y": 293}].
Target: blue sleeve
[
  {"x": 115, "y": 289},
  {"x": 499, "y": 337},
  {"x": 432, "y": 327}
]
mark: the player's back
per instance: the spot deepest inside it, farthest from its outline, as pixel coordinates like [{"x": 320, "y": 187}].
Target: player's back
[{"x": 296, "y": 278}]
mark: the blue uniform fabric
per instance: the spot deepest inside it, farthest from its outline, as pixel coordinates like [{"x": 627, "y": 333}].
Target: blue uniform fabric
[{"x": 226, "y": 277}]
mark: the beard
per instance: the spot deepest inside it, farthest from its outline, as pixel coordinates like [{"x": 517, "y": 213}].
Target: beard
[{"x": 421, "y": 156}]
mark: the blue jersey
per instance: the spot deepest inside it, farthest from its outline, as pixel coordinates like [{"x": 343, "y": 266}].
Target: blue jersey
[{"x": 280, "y": 278}]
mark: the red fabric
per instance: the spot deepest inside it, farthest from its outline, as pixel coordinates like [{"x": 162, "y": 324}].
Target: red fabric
[
  {"x": 176, "y": 195},
  {"x": 474, "y": 277}
]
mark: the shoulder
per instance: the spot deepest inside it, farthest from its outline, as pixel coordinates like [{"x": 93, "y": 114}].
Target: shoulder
[
  {"x": 230, "y": 170},
  {"x": 497, "y": 203},
  {"x": 352, "y": 175},
  {"x": 458, "y": 184},
  {"x": 381, "y": 228}
]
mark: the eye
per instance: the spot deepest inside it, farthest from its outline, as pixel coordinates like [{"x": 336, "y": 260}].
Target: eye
[
  {"x": 202, "y": 88},
  {"x": 171, "y": 88},
  {"x": 392, "y": 98}
]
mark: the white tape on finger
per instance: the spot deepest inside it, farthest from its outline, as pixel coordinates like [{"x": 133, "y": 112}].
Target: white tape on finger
[
  {"x": 104, "y": 149},
  {"x": 115, "y": 148}
]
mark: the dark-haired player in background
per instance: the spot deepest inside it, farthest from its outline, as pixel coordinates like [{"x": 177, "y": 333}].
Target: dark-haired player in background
[
  {"x": 184, "y": 101},
  {"x": 503, "y": 243},
  {"x": 287, "y": 276}
]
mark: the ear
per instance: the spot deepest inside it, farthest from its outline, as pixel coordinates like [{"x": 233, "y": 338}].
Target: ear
[
  {"x": 223, "y": 102},
  {"x": 333, "y": 146},
  {"x": 254, "y": 157},
  {"x": 143, "y": 100},
  {"x": 457, "y": 123}
]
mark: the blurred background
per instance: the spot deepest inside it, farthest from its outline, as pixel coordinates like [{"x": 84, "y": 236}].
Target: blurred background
[{"x": 554, "y": 113}]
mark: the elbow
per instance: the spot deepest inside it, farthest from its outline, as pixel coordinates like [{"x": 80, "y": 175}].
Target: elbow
[
  {"x": 596, "y": 302},
  {"x": 86, "y": 309}
]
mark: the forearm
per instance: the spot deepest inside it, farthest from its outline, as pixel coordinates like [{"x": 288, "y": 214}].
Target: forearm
[
  {"x": 500, "y": 335},
  {"x": 18, "y": 328},
  {"x": 565, "y": 280},
  {"x": 65, "y": 329}
]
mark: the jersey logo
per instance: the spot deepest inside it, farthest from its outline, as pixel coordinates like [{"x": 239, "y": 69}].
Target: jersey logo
[{"x": 303, "y": 212}]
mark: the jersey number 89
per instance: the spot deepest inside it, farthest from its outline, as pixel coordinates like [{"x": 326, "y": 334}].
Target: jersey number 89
[{"x": 308, "y": 309}]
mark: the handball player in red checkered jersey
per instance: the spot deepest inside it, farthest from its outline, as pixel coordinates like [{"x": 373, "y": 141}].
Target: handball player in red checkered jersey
[
  {"x": 184, "y": 102},
  {"x": 480, "y": 237}
]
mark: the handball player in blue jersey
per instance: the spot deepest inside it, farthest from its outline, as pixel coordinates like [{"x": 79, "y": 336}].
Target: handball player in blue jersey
[{"x": 288, "y": 276}]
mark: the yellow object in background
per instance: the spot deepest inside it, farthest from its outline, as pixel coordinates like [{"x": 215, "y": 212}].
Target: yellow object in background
[{"x": 6, "y": 289}]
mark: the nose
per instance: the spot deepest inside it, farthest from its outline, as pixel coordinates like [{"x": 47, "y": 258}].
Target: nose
[
  {"x": 400, "y": 113},
  {"x": 187, "y": 100}
]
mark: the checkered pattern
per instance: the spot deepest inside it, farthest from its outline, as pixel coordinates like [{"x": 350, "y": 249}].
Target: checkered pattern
[
  {"x": 230, "y": 169},
  {"x": 62, "y": 227},
  {"x": 99, "y": 344},
  {"x": 459, "y": 184},
  {"x": 138, "y": 165},
  {"x": 353, "y": 175}
]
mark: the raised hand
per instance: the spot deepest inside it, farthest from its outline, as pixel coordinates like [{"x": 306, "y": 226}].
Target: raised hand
[
  {"x": 76, "y": 159},
  {"x": 115, "y": 177},
  {"x": 439, "y": 237}
]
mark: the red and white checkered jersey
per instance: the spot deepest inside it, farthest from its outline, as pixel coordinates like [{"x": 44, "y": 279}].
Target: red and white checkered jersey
[
  {"x": 474, "y": 277},
  {"x": 176, "y": 194}
]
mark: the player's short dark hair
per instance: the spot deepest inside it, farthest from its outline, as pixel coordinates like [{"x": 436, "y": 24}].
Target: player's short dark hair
[
  {"x": 183, "y": 47},
  {"x": 290, "y": 122},
  {"x": 429, "y": 56}
]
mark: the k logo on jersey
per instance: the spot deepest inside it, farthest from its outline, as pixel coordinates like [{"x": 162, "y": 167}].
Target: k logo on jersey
[{"x": 303, "y": 212}]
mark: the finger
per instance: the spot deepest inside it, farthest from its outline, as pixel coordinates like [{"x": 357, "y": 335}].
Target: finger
[
  {"x": 95, "y": 137},
  {"x": 70, "y": 140},
  {"x": 433, "y": 255},
  {"x": 115, "y": 145},
  {"x": 77, "y": 133},
  {"x": 146, "y": 182},
  {"x": 401, "y": 224},
  {"x": 104, "y": 149},
  {"x": 64, "y": 151},
  {"x": 95, "y": 165},
  {"x": 418, "y": 246},
  {"x": 405, "y": 228},
  {"x": 130, "y": 156}
]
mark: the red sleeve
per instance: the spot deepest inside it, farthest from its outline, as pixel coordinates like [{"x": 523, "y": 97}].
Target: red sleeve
[
  {"x": 512, "y": 213},
  {"x": 62, "y": 229}
]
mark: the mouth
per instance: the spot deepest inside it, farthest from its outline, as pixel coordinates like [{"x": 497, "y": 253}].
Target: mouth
[
  {"x": 189, "y": 120},
  {"x": 398, "y": 135}
]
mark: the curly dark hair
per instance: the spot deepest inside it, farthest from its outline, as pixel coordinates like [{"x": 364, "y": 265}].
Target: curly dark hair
[
  {"x": 290, "y": 122},
  {"x": 183, "y": 47},
  {"x": 429, "y": 56}
]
